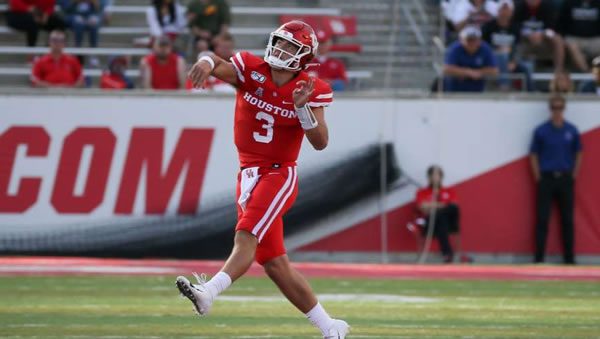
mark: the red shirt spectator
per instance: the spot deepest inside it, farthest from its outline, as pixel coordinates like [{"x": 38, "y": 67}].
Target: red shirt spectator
[
  {"x": 112, "y": 81},
  {"x": 444, "y": 195},
  {"x": 163, "y": 69},
  {"x": 435, "y": 198},
  {"x": 164, "y": 72},
  {"x": 57, "y": 69},
  {"x": 30, "y": 16},
  {"x": 46, "y": 6},
  {"x": 332, "y": 70},
  {"x": 64, "y": 70},
  {"x": 114, "y": 77}
]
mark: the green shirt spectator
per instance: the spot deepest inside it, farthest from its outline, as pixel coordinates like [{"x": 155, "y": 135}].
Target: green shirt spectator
[{"x": 208, "y": 18}]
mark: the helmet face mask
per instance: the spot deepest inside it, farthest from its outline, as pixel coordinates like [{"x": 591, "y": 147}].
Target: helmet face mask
[{"x": 280, "y": 56}]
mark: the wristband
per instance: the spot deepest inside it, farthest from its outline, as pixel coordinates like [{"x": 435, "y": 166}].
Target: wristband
[
  {"x": 307, "y": 117},
  {"x": 210, "y": 61}
]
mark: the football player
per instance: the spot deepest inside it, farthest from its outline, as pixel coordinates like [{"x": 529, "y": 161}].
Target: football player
[{"x": 277, "y": 104}]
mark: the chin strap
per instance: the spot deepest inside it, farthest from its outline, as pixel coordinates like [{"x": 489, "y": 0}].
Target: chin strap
[{"x": 307, "y": 117}]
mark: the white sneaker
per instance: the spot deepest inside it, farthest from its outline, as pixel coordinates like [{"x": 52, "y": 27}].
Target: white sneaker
[
  {"x": 338, "y": 330},
  {"x": 197, "y": 293}
]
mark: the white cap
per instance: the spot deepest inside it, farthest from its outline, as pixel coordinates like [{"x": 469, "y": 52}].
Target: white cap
[{"x": 470, "y": 32}]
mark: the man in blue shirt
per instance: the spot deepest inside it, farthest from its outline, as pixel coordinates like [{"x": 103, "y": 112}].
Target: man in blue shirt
[
  {"x": 468, "y": 62},
  {"x": 555, "y": 160}
]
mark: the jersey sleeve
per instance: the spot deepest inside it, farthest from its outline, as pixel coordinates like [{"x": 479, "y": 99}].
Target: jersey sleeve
[
  {"x": 322, "y": 95},
  {"x": 244, "y": 62}
]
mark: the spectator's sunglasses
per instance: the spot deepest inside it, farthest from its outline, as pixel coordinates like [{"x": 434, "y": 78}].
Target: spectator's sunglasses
[{"x": 556, "y": 108}]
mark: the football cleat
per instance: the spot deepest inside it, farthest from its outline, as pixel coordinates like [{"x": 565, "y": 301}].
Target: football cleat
[
  {"x": 196, "y": 293},
  {"x": 338, "y": 330}
]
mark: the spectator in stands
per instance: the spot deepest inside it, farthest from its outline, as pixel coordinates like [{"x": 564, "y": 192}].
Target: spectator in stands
[
  {"x": 32, "y": 15},
  {"x": 503, "y": 35},
  {"x": 224, "y": 48},
  {"x": 163, "y": 69},
  {"x": 207, "y": 19},
  {"x": 470, "y": 12},
  {"x": 555, "y": 161},
  {"x": 538, "y": 38},
  {"x": 441, "y": 201},
  {"x": 84, "y": 16},
  {"x": 114, "y": 77},
  {"x": 166, "y": 17},
  {"x": 579, "y": 23},
  {"x": 561, "y": 83},
  {"x": 57, "y": 69},
  {"x": 468, "y": 62},
  {"x": 592, "y": 86},
  {"x": 329, "y": 69},
  {"x": 223, "y": 45},
  {"x": 448, "y": 8}
]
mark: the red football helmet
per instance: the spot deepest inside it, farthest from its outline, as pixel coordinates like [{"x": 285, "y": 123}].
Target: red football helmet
[{"x": 299, "y": 34}]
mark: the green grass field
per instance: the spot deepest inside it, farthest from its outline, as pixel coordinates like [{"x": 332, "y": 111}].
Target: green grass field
[{"x": 124, "y": 306}]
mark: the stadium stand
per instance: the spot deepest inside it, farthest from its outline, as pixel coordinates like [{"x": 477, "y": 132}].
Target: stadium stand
[{"x": 408, "y": 26}]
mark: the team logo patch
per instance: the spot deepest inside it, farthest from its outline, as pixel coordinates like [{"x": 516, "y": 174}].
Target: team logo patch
[
  {"x": 259, "y": 92},
  {"x": 568, "y": 136},
  {"x": 258, "y": 77}
]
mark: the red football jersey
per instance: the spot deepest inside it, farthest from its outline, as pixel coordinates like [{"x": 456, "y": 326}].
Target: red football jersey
[{"x": 266, "y": 128}]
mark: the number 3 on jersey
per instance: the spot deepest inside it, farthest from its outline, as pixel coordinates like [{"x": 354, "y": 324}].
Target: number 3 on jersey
[{"x": 268, "y": 126}]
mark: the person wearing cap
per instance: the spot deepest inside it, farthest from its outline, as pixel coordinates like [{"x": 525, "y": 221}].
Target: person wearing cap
[
  {"x": 538, "y": 37},
  {"x": 503, "y": 35},
  {"x": 114, "y": 77},
  {"x": 579, "y": 23},
  {"x": 593, "y": 86},
  {"x": 332, "y": 70},
  {"x": 468, "y": 62},
  {"x": 163, "y": 69},
  {"x": 555, "y": 157}
]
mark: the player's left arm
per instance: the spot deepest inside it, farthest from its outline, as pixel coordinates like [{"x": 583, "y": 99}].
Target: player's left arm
[{"x": 312, "y": 119}]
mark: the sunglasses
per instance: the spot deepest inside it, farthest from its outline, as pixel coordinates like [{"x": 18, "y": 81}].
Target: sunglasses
[{"x": 557, "y": 108}]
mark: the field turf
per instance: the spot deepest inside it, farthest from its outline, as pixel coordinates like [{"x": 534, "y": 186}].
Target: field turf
[{"x": 149, "y": 306}]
